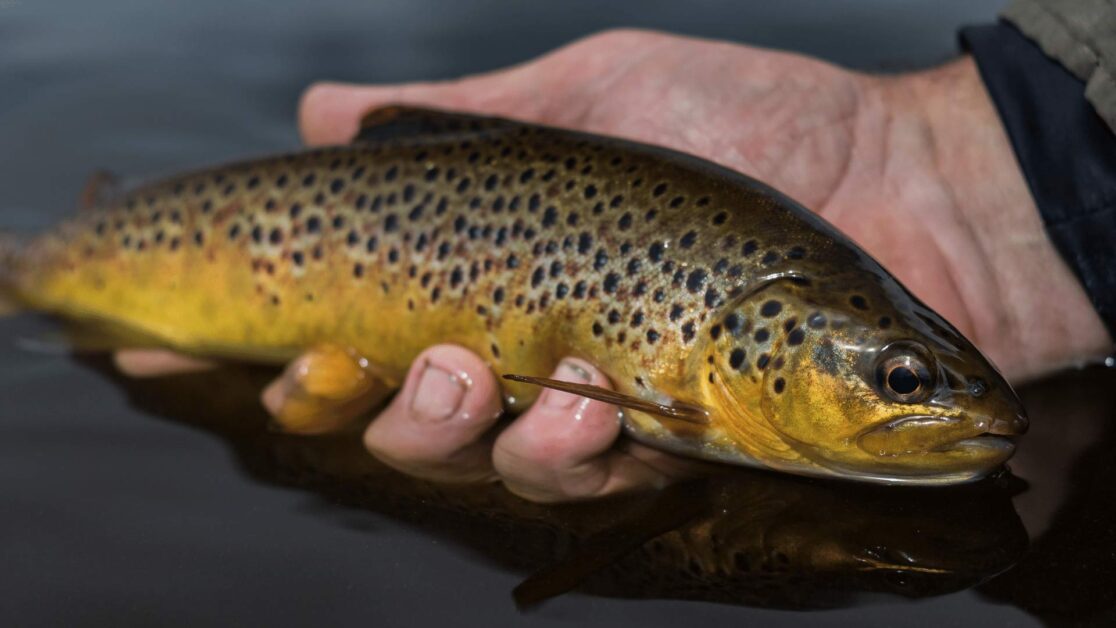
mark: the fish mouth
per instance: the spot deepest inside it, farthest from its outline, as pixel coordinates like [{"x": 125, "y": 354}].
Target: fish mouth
[{"x": 927, "y": 434}]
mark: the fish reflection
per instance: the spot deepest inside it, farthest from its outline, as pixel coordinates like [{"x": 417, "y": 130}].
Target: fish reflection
[{"x": 746, "y": 537}]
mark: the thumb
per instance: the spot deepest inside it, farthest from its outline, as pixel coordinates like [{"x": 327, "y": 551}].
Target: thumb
[{"x": 544, "y": 90}]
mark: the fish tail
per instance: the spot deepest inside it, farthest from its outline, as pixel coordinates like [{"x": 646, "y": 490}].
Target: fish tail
[{"x": 11, "y": 271}]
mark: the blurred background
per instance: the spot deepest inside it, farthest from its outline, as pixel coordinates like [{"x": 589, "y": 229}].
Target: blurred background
[{"x": 111, "y": 517}]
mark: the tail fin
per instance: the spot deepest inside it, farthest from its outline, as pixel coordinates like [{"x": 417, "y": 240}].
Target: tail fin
[{"x": 11, "y": 256}]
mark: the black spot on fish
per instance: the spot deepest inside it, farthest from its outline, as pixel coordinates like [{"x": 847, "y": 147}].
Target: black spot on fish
[
  {"x": 762, "y": 335},
  {"x": 625, "y": 221},
  {"x": 655, "y": 252},
  {"x": 297, "y": 257},
  {"x": 796, "y": 337},
  {"x": 734, "y": 323},
  {"x": 652, "y": 336},
  {"x": 796, "y": 253},
  {"x": 550, "y": 216},
  {"x": 884, "y": 322},
  {"x": 584, "y": 242},
  {"x": 391, "y": 223},
  {"x": 613, "y": 316},
  {"x": 749, "y": 247},
  {"x": 779, "y": 384},
  {"x": 590, "y": 191},
  {"x": 712, "y": 298},
  {"x": 769, "y": 258},
  {"x": 336, "y": 186},
  {"x": 597, "y": 329},
  {"x": 601, "y": 259},
  {"x": 313, "y": 224},
  {"x": 715, "y": 332},
  {"x": 579, "y": 290},
  {"x": 761, "y": 363},
  {"x": 720, "y": 218},
  {"x": 771, "y": 308},
  {"x": 736, "y": 358},
  {"x": 659, "y": 189},
  {"x": 611, "y": 281},
  {"x": 688, "y": 331},
  {"x": 696, "y": 280},
  {"x": 276, "y": 236},
  {"x": 858, "y": 302},
  {"x": 688, "y": 240},
  {"x": 634, "y": 266},
  {"x": 234, "y": 231}
]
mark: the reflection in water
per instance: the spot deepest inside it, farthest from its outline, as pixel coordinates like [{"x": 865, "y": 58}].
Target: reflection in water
[
  {"x": 746, "y": 537},
  {"x": 1068, "y": 577}
]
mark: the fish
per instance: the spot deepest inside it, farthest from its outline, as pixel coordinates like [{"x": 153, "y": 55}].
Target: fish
[{"x": 735, "y": 325}]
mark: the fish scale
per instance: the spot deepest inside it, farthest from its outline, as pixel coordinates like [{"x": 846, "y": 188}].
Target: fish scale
[{"x": 685, "y": 282}]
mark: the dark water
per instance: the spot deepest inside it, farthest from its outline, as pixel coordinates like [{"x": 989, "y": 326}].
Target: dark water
[{"x": 165, "y": 503}]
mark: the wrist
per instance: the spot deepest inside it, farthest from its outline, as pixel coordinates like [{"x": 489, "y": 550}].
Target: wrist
[{"x": 1026, "y": 308}]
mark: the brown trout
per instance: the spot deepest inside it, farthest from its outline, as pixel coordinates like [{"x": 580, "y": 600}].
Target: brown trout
[{"x": 735, "y": 325}]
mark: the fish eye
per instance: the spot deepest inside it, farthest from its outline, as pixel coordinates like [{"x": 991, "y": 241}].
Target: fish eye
[{"x": 904, "y": 375}]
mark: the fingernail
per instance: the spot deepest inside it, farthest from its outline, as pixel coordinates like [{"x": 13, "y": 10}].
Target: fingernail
[
  {"x": 566, "y": 372},
  {"x": 438, "y": 395}
]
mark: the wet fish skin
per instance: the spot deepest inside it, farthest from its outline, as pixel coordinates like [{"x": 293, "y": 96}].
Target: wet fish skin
[{"x": 683, "y": 281}]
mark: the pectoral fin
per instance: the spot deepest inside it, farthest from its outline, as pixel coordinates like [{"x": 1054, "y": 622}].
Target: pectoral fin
[
  {"x": 677, "y": 410},
  {"x": 323, "y": 390}
]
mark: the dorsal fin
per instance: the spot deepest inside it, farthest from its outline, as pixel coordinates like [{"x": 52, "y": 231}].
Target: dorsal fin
[
  {"x": 101, "y": 188},
  {"x": 394, "y": 122}
]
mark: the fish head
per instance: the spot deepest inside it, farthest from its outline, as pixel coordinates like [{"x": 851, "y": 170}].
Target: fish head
[{"x": 863, "y": 383}]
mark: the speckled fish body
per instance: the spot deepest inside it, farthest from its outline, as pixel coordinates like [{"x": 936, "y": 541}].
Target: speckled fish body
[{"x": 685, "y": 282}]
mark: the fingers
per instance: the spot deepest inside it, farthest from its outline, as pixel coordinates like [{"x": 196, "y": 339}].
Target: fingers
[
  {"x": 562, "y": 448},
  {"x": 436, "y": 427},
  {"x": 549, "y": 89},
  {"x": 441, "y": 425},
  {"x": 158, "y": 363},
  {"x": 329, "y": 113}
]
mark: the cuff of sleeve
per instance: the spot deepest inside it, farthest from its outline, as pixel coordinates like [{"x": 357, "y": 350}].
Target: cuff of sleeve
[{"x": 1066, "y": 152}]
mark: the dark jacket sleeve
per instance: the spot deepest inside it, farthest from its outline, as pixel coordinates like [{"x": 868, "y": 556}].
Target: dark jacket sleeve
[
  {"x": 1066, "y": 147},
  {"x": 1081, "y": 35}
]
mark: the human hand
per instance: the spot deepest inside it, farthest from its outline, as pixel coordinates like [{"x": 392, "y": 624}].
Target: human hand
[{"x": 915, "y": 168}]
